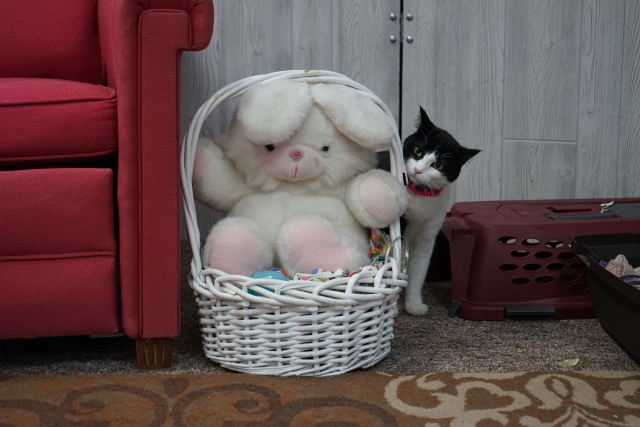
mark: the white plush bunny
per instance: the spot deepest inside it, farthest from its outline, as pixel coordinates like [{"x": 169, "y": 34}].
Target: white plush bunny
[{"x": 296, "y": 174}]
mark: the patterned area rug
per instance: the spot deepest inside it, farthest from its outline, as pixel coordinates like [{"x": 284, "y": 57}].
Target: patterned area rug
[{"x": 364, "y": 399}]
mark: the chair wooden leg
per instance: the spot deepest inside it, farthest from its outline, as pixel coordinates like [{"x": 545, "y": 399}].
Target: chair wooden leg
[{"x": 154, "y": 353}]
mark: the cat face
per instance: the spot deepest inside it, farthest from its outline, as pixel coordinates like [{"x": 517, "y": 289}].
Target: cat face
[{"x": 432, "y": 156}]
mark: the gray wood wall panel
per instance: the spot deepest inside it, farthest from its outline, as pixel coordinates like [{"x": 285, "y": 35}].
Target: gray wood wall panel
[
  {"x": 538, "y": 170},
  {"x": 541, "y": 62},
  {"x": 480, "y": 96},
  {"x": 362, "y": 50},
  {"x": 600, "y": 92},
  {"x": 430, "y": 64},
  {"x": 629, "y": 150},
  {"x": 312, "y": 37}
]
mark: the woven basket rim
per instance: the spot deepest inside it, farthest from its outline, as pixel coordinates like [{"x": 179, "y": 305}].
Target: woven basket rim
[{"x": 377, "y": 284}]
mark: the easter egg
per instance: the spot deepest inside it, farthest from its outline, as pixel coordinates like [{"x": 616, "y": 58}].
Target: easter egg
[{"x": 274, "y": 275}]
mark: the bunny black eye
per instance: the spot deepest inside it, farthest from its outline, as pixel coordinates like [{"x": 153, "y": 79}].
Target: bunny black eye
[
  {"x": 325, "y": 148},
  {"x": 270, "y": 147}
]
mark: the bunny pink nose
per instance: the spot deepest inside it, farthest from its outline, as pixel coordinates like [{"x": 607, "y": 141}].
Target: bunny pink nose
[{"x": 296, "y": 155}]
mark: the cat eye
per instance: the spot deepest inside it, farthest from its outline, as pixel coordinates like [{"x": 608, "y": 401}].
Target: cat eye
[
  {"x": 270, "y": 147},
  {"x": 437, "y": 165},
  {"x": 417, "y": 151},
  {"x": 325, "y": 148}
]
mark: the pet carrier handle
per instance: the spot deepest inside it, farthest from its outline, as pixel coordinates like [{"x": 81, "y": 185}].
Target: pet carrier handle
[
  {"x": 581, "y": 217},
  {"x": 190, "y": 142}
]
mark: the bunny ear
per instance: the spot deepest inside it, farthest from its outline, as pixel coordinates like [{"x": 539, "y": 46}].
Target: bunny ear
[
  {"x": 356, "y": 115},
  {"x": 272, "y": 112}
]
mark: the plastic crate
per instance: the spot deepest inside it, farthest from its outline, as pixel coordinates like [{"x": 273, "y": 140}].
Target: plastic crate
[
  {"x": 616, "y": 303},
  {"x": 515, "y": 258}
]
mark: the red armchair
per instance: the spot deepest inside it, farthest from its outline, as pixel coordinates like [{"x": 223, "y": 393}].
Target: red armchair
[{"x": 89, "y": 167}]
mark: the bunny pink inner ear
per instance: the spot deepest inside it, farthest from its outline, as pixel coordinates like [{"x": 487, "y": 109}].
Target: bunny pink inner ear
[
  {"x": 272, "y": 112},
  {"x": 355, "y": 115}
]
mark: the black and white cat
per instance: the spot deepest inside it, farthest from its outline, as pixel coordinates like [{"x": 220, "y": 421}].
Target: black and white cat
[{"x": 432, "y": 159}]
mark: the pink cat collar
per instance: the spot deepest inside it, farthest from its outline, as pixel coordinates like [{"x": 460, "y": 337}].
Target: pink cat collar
[{"x": 423, "y": 190}]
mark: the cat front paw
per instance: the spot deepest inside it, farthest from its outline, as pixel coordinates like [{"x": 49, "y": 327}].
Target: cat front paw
[{"x": 416, "y": 308}]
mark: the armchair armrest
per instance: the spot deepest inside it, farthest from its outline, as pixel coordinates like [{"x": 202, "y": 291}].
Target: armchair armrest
[
  {"x": 142, "y": 43},
  {"x": 201, "y": 15}
]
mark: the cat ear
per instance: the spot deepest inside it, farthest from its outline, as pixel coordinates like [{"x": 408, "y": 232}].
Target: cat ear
[
  {"x": 466, "y": 154},
  {"x": 272, "y": 112},
  {"x": 425, "y": 122},
  {"x": 355, "y": 115}
]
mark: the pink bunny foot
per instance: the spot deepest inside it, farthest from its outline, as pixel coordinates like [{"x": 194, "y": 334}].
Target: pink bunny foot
[
  {"x": 237, "y": 246},
  {"x": 308, "y": 243}
]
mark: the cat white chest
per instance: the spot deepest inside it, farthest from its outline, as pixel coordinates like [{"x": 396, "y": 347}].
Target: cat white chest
[{"x": 429, "y": 208}]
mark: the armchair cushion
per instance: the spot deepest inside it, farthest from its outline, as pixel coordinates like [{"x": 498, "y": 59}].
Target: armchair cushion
[
  {"x": 52, "y": 120},
  {"x": 51, "y": 39},
  {"x": 56, "y": 212},
  {"x": 57, "y": 253}
]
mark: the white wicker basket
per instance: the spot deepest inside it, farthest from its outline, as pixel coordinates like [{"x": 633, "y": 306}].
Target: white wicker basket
[{"x": 303, "y": 328}]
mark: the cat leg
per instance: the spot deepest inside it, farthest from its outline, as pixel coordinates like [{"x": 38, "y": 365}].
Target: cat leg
[
  {"x": 238, "y": 246},
  {"x": 421, "y": 248},
  {"x": 307, "y": 242}
]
